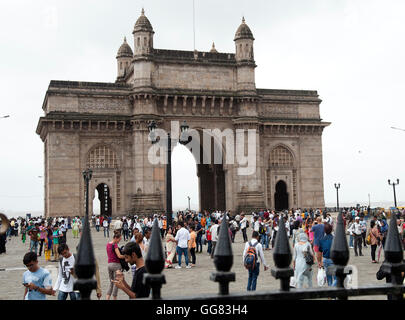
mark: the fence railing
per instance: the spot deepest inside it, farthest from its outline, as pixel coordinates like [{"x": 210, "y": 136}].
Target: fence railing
[{"x": 282, "y": 271}]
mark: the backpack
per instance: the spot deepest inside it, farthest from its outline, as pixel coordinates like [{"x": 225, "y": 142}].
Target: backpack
[
  {"x": 251, "y": 257},
  {"x": 262, "y": 229},
  {"x": 124, "y": 264}
]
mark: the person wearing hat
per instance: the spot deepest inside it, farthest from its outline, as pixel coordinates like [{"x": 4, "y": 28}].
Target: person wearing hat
[{"x": 356, "y": 229}]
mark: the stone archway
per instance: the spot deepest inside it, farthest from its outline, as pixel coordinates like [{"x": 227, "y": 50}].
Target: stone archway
[
  {"x": 210, "y": 172},
  {"x": 281, "y": 196},
  {"x": 105, "y": 199}
]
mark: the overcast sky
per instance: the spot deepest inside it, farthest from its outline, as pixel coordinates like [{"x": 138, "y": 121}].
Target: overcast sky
[{"x": 351, "y": 51}]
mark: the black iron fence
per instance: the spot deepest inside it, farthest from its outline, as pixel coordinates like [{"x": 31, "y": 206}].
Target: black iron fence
[{"x": 393, "y": 266}]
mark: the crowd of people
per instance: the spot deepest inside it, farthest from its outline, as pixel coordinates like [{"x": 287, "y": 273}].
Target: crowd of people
[{"x": 311, "y": 233}]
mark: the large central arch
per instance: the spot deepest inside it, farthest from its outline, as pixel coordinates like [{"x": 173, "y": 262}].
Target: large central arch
[{"x": 210, "y": 170}]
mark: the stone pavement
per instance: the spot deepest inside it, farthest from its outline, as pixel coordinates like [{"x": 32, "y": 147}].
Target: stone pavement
[{"x": 180, "y": 282}]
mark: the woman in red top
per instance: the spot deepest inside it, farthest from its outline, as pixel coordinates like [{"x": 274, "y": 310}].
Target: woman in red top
[
  {"x": 209, "y": 238},
  {"x": 114, "y": 255}
]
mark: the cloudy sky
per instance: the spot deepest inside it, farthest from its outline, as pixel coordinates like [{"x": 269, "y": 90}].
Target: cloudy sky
[{"x": 351, "y": 51}]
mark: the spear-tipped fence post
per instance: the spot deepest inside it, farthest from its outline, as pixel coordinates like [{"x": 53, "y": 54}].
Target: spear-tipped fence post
[
  {"x": 340, "y": 254},
  {"x": 155, "y": 263},
  {"x": 282, "y": 257},
  {"x": 85, "y": 266},
  {"x": 394, "y": 256},
  {"x": 223, "y": 259}
]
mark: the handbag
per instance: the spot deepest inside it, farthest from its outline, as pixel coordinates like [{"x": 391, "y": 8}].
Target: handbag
[
  {"x": 368, "y": 239},
  {"x": 124, "y": 264},
  {"x": 321, "y": 277},
  {"x": 309, "y": 258}
]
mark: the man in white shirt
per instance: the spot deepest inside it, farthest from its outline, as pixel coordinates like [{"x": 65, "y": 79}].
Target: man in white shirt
[
  {"x": 254, "y": 273},
  {"x": 356, "y": 229},
  {"x": 118, "y": 225},
  {"x": 64, "y": 282},
  {"x": 106, "y": 228},
  {"x": 243, "y": 227},
  {"x": 98, "y": 224},
  {"x": 214, "y": 236},
  {"x": 182, "y": 237}
]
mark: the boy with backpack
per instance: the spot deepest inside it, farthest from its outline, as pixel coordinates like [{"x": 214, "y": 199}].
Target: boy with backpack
[{"x": 253, "y": 250}]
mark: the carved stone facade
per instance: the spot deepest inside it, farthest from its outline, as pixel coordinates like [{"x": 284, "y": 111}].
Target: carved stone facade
[{"x": 104, "y": 126}]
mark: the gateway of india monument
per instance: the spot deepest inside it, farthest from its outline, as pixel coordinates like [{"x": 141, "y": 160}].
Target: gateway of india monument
[{"x": 104, "y": 126}]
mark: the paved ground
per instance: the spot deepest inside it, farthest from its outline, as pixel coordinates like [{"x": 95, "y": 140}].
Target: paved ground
[{"x": 180, "y": 282}]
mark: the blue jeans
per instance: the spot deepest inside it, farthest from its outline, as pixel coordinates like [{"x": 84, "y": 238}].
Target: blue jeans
[
  {"x": 209, "y": 248},
  {"x": 97, "y": 228},
  {"x": 199, "y": 243},
  {"x": 263, "y": 238},
  {"x": 351, "y": 241},
  {"x": 267, "y": 241},
  {"x": 253, "y": 274},
  {"x": 33, "y": 246},
  {"x": 106, "y": 230},
  {"x": 329, "y": 277},
  {"x": 63, "y": 295},
  {"x": 181, "y": 251}
]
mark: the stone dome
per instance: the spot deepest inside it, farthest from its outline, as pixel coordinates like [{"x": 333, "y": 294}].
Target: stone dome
[
  {"x": 243, "y": 31},
  {"x": 213, "y": 49},
  {"x": 143, "y": 23},
  {"x": 125, "y": 50}
]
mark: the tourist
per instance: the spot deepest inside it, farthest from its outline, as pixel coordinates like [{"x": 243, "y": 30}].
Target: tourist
[
  {"x": 192, "y": 244},
  {"x": 274, "y": 229},
  {"x": 36, "y": 280},
  {"x": 200, "y": 231},
  {"x": 125, "y": 229},
  {"x": 23, "y": 232},
  {"x": 375, "y": 239},
  {"x": 209, "y": 240},
  {"x": 302, "y": 270},
  {"x": 114, "y": 255},
  {"x": 48, "y": 243},
  {"x": 326, "y": 262},
  {"x": 106, "y": 227},
  {"x": 75, "y": 228},
  {"x": 254, "y": 269},
  {"x": 383, "y": 231},
  {"x": 64, "y": 282},
  {"x": 34, "y": 233},
  {"x": 56, "y": 236},
  {"x": 349, "y": 230},
  {"x": 233, "y": 227},
  {"x": 170, "y": 248},
  {"x": 138, "y": 289},
  {"x": 214, "y": 236},
  {"x": 182, "y": 238},
  {"x": 356, "y": 229},
  {"x": 363, "y": 225},
  {"x": 139, "y": 239},
  {"x": 42, "y": 236},
  {"x": 318, "y": 230},
  {"x": 63, "y": 229},
  {"x": 98, "y": 223},
  {"x": 243, "y": 226},
  {"x": 118, "y": 225}
]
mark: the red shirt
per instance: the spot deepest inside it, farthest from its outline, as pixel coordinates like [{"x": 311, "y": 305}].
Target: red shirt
[{"x": 209, "y": 235}]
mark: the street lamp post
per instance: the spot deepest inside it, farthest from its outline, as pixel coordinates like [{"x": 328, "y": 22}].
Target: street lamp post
[
  {"x": 337, "y": 186},
  {"x": 184, "y": 139},
  {"x": 393, "y": 184}
]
